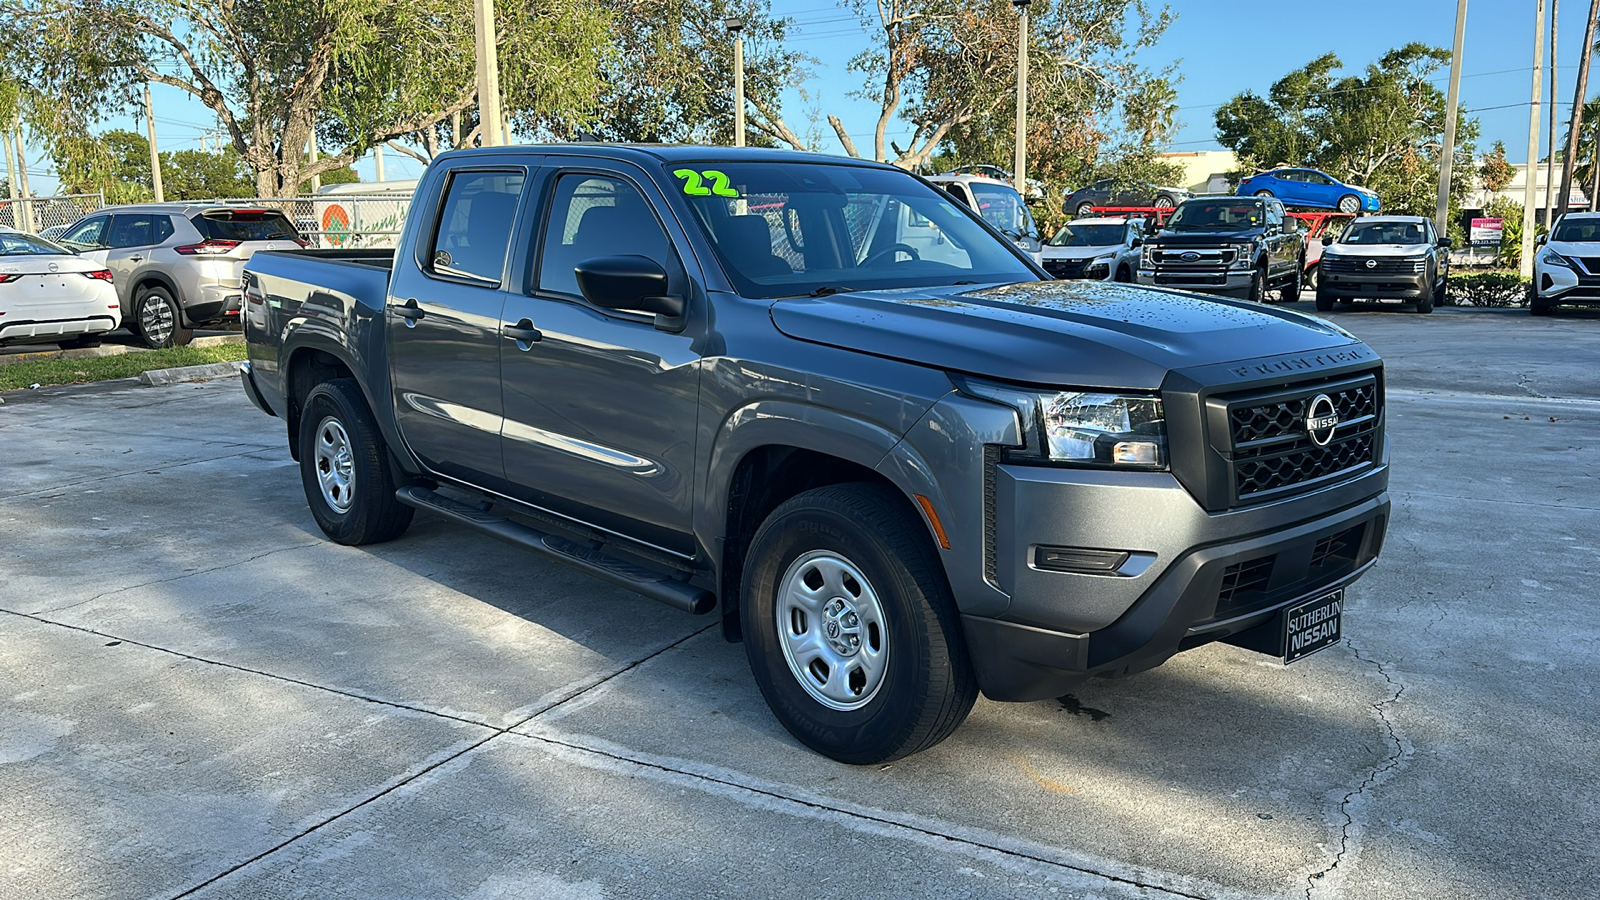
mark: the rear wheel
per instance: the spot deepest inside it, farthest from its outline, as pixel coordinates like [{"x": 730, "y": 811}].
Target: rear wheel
[
  {"x": 850, "y": 628},
  {"x": 1263, "y": 193},
  {"x": 1313, "y": 276},
  {"x": 1085, "y": 209},
  {"x": 344, "y": 468},
  {"x": 1290, "y": 292},
  {"x": 159, "y": 321}
]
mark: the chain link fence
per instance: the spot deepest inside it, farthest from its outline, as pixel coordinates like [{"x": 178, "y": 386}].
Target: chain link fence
[
  {"x": 329, "y": 221},
  {"x": 35, "y": 214}
]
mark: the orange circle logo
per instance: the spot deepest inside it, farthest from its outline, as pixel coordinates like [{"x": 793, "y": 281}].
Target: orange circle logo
[{"x": 335, "y": 224}]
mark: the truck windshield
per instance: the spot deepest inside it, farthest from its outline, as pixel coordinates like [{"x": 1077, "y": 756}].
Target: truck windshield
[
  {"x": 1384, "y": 233},
  {"x": 1081, "y": 235},
  {"x": 810, "y": 228},
  {"x": 1217, "y": 215}
]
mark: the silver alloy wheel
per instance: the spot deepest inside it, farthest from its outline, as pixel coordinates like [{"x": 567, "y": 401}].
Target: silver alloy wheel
[
  {"x": 1348, "y": 204},
  {"x": 155, "y": 320},
  {"x": 1164, "y": 202},
  {"x": 832, "y": 630},
  {"x": 335, "y": 465}
]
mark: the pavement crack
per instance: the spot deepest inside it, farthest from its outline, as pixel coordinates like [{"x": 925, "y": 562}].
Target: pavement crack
[
  {"x": 133, "y": 587},
  {"x": 1350, "y": 831},
  {"x": 1525, "y": 382}
]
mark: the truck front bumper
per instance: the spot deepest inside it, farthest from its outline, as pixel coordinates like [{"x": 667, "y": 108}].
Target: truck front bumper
[
  {"x": 1374, "y": 287},
  {"x": 1191, "y": 577},
  {"x": 1232, "y": 281}
]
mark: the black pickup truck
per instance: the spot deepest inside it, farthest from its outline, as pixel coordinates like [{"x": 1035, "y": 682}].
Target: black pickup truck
[
  {"x": 820, "y": 399},
  {"x": 1243, "y": 246}
]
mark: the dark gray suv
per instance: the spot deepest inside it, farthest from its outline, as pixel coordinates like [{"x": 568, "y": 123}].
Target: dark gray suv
[
  {"x": 1384, "y": 258},
  {"x": 177, "y": 265}
]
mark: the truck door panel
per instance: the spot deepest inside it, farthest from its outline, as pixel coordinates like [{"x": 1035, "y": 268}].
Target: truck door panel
[
  {"x": 444, "y": 327},
  {"x": 601, "y": 409}
]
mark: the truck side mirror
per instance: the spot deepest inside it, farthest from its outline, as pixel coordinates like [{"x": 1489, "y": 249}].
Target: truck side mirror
[
  {"x": 1327, "y": 239},
  {"x": 630, "y": 283},
  {"x": 1445, "y": 243}
]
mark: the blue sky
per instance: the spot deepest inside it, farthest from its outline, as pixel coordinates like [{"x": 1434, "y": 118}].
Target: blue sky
[{"x": 1222, "y": 47}]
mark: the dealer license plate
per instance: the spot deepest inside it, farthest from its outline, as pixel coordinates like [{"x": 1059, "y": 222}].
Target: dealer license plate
[{"x": 1312, "y": 626}]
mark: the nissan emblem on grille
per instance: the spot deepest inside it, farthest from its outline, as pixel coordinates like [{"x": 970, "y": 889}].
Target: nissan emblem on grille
[
  {"x": 1322, "y": 420},
  {"x": 1372, "y": 264}
]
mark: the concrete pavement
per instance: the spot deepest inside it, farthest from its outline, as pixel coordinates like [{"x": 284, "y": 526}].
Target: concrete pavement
[{"x": 200, "y": 696}]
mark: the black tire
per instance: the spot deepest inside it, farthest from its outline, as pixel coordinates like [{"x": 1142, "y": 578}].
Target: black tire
[
  {"x": 1349, "y": 203},
  {"x": 158, "y": 321},
  {"x": 82, "y": 342},
  {"x": 1124, "y": 274},
  {"x": 336, "y": 413},
  {"x": 1324, "y": 301},
  {"x": 925, "y": 684},
  {"x": 1290, "y": 292},
  {"x": 1439, "y": 292},
  {"x": 1425, "y": 305},
  {"x": 1264, "y": 193},
  {"x": 1258, "y": 286},
  {"x": 1539, "y": 308},
  {"x": 1313, "y": 276},
  {"x": 1085, "y": 210}
]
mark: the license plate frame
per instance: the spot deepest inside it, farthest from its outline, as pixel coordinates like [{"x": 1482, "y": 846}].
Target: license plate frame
[{"x": 1312, "y": 625}]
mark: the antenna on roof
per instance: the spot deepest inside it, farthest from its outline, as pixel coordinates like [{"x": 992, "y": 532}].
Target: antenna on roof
[{"x": 589, "y": 136}]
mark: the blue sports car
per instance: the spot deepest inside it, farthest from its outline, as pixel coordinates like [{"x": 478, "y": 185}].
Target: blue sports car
[{"x": 1309, "y": 187}]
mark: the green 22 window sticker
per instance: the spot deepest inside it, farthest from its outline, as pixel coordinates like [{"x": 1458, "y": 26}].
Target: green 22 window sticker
[{"x": 695, "y": 186}]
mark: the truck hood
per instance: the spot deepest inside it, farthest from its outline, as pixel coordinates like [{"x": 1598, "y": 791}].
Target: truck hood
[
  {"x": 1068, "y": 333},
  {"x": 1205, "y": 238}
]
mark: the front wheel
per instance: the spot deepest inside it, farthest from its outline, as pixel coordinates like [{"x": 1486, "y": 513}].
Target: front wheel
[
  {"x": 1540, "y": 307},
  {"x": 1258, "y": 286},
  {"x": 82, "y": 342},
  {"x": 1349, "y": 203},
  {"x": 850, "y": 628},
  {"x": 1164, "y": 202},
  {"x": 1324, "y": 301},
  {"x": 344, "y": 468}
]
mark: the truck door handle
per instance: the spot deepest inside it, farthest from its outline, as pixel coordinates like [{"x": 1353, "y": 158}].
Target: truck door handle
[
  {"x": 410, "y": 312},
  {"x": 524, "y": 334}
]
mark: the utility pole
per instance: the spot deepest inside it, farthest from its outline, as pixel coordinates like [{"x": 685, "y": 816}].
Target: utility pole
[
  {"x": 1550, "y": 151},
  {"x": 1532, "y": 172},
  {"x": 377, "y": 160},
  {"x": 22, "y": 174},
  {"x": 11, "y": 172},
  {"x": 736, "y": 26},
  {"x": 1441, "y": 221},
  {"x": 490, "y": 123},
  {"x": 311, "y": 157},
  {"x": 155, "y": 156},
  {"x": 1019, "y": 177}
]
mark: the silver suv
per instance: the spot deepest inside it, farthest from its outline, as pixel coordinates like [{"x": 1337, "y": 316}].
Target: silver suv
[{"x": 176, "y": 265}]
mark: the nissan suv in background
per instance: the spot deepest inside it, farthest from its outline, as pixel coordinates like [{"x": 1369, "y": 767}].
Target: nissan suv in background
[
  {"x": 176, "y": 266},
  {"x": 1095, "y": 249},
  {"x": 1227, "y": 245},
  {"x": 1384, "y": 258},
  {"x": 1566, "y": 270}
]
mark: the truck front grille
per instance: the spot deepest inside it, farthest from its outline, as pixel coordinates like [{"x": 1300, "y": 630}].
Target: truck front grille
[
  {"x": 1374, "y": 265},
  {"x": 1066, "y": 268},
  {"x": 1274, "y": 452},
  {"x": 1179, "y": 258}
]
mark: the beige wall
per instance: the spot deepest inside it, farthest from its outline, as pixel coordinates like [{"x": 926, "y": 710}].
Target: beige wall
[{"x": 1200, "y": 165}]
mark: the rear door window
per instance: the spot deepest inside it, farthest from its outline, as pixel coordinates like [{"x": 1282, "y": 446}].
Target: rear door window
[
  {"x": 244, "y": 225},
  {"x": 475, "y": 225},
  {"x": 131, "y": 230}
]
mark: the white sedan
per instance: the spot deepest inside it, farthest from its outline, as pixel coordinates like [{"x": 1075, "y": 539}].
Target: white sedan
[{"x": 48, "y": 294}]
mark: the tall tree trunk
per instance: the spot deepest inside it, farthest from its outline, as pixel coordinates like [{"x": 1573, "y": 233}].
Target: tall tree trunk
[{"x": 1577, "y": 110}]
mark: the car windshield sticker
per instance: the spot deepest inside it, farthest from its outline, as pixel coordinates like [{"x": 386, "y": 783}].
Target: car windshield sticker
[{"x": 694, "y": 183}]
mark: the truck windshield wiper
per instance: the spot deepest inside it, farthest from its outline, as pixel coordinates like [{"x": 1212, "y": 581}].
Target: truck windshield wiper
[{"x": 828, "y": 289}]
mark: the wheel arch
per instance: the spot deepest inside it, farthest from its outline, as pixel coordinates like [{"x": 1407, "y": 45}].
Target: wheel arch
[{"x": 149, "y": 279}]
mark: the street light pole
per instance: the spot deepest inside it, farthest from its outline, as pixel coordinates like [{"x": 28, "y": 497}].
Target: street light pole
[
  {"x": 1532, "y": 172},
  {"x": 490, "y": 122},
  {"x": 736, "y": 26},
  {"x": 1020, "y": 174},
  {"x": 1447, "y": 158}
]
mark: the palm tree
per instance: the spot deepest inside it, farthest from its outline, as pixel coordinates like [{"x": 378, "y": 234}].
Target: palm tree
[
  {"x": 1577, "y": 107},
  {"x": 1588, "y": 145}
]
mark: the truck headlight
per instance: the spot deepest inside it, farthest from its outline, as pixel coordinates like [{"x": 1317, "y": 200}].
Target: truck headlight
[
  {"x": 1244, "y": 256},
  {"x": 1147, "y": 257},
  {"x": 1084, "y": 427}
]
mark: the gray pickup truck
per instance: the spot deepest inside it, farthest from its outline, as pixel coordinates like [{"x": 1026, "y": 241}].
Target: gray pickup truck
[{"x": 820, "y": 399}]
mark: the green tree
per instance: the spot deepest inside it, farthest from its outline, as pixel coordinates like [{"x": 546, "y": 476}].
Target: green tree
[
  {"x": 204, "y": 175},
  {"x": 353, "y": 72},
  {"x": 949, "y": 67},
  {"x": 1382, "y": 128}
]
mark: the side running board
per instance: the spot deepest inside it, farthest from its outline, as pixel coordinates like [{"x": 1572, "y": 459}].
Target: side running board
[{"x": 593, "y": 561}]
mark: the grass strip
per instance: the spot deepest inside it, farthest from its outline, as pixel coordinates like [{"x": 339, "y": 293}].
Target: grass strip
[{"x": 104, "y": 368}]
